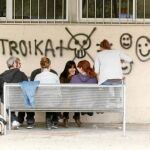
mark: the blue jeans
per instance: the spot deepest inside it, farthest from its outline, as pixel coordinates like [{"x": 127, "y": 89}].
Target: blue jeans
[
  {"x": 112, "y": 82},
  {"x": 113, "y": 90}
]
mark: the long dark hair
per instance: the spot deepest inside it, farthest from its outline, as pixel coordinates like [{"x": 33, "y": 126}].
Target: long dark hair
[{"x": 65, "y": 72}]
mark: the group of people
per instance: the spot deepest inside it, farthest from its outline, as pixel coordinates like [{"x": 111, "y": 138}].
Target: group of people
[{"x": 107, "y": 70}]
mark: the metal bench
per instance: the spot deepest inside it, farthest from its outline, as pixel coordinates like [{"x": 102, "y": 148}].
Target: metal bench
[{"x": 68, "y": 97}]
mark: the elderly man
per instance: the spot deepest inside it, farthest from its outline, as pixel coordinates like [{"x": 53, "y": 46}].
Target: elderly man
[{"x": 14, "y": 75}]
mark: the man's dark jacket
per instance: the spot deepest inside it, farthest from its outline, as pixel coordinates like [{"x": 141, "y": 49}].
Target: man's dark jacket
[{"x": 11, "y": 76}]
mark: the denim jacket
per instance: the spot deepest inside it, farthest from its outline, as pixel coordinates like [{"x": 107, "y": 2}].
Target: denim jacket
[{"x": 29, "y": 88}]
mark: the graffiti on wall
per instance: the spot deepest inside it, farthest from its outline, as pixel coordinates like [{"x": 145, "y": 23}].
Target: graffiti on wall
[
  {"x": 143, "y": 48},
  {"x": 126, "y": 43},
  {"x": 79, "y": 43},
  {"x": 126, "y": 40},
  {"x": 126, "y": 68},
  {"x": 26, "y": 48}
]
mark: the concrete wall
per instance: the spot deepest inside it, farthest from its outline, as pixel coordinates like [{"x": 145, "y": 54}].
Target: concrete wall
[{"x": 38, "y": 38}]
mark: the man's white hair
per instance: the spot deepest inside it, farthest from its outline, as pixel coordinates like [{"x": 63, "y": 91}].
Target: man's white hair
[{"x": 11, "y": 60}]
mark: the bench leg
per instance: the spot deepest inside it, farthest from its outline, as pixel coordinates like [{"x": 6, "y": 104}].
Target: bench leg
[
  {"x": 2, "y": 128},
  {"x": 124, "y": 110},
  {"x": 5, "y": 117},
  {"x": 124, "y": 124},
  {"x": 9, "y": 122}
]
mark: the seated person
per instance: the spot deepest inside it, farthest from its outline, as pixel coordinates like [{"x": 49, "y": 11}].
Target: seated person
[
  {"x": 49, "y": 78},
  {"x": 86, "y": 75},
  {"x": 14, "y": 75}
]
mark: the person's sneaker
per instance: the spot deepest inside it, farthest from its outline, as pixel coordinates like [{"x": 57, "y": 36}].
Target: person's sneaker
[
  {"x": 54, "y": 127},
  {"x": 48, "y": 126},
  {"x": 30, "y": 126},
  {"x": 15, "y": 125}
]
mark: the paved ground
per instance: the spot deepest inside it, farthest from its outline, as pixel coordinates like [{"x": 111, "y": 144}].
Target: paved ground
[{"x": 88, "y": 137}]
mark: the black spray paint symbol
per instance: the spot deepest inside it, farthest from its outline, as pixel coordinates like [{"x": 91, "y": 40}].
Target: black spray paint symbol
[
  {"x": 126, "y": 40},
  {"x": 80, "y": 43},
  {"x": 126, "y": 68},
  {"x": 143, "y": 48}
]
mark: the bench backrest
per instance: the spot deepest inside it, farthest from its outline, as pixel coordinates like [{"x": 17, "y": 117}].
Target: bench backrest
[{"x": 67, "y": 97}]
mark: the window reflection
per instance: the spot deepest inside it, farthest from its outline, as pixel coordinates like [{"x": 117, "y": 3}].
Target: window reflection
[
  {"x": 2, "y": 8},
  {"x": 140, "y": 9},
  {"x": 20, "y": 9},
  {"x": 107, "y": 8}
]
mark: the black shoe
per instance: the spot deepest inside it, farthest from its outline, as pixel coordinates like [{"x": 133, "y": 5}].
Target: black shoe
[
  {"x": 30, "y": 126},
  {"x": 54, "y": 126}
]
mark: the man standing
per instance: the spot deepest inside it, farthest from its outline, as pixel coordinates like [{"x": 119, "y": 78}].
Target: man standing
[{"x": 108, "y": 64}]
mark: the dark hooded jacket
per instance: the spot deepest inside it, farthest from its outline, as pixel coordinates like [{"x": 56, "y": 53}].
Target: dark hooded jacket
[
  {"x": 81, "y": 79},
  {"x": 14, "y": 76}
]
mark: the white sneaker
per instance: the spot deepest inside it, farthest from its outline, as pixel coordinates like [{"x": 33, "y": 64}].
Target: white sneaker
[
  {"x": 29, "y": 126},
  {"x": 15, "y": 124},
  {"x": 54, "y": 127}
]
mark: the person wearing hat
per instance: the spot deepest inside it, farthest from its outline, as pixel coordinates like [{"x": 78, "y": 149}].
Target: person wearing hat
[{"x": 108, "y": 64}]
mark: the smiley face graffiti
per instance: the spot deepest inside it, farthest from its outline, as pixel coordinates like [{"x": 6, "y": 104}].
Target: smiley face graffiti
[
  {"x": 126, "y": 68},
  {"x": 126, "y": 40},
  {"x": 143, "y": 48},
  {"x": 80, "y": 43}
]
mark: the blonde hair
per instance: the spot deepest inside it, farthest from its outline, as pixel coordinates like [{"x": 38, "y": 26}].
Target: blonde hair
[{"x": 45, "y": 62}]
